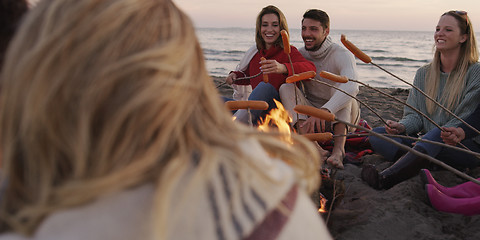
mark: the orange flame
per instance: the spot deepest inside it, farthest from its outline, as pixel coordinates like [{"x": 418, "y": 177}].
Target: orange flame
[
  {"x": 279, "y": 118},
  {"x": 323, "y": 204}
]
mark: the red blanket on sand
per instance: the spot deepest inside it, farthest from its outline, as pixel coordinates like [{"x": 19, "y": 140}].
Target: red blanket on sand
[{"x": 355, "y": 147}]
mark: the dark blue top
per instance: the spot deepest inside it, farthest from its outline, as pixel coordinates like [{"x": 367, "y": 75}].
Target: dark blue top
[{"x": 474, "y": 121}]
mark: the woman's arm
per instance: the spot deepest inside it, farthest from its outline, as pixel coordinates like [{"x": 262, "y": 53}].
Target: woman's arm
[
  {"x": 469, "y": 101},
  {"x": 300, "y": 64},
  {"x": 474, "y": 121},
  {"x": 413, "y": 121}
]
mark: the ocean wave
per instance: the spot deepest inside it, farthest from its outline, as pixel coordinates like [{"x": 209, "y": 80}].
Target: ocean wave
[
  {"x": 398, "y": 59},
  {"x": 387, "y": 84},
  {"x": 222, "y": 52},
  {"x": 226, "y": 59},
  {"x": 219, "y": 72},
  {"x": 378, "y": 51},
  {"x": 401, "y": 53}
]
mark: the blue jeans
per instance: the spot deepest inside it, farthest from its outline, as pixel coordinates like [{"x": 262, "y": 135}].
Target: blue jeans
[
  {"x": 225, "y": 99},
  {"x": 262, "y": 92},
  {"x": 448, "y": 155}
]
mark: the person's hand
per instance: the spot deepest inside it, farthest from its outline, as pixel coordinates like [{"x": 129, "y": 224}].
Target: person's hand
[
  {"x": 309, "y": 124},
  {"x": 393, "y": 127},
  {"x": 231, "y": 78},
  {"x": 272, "y": 66},
  {"x": 452, "y": 135},
  {"x": 313, "y": 123}
]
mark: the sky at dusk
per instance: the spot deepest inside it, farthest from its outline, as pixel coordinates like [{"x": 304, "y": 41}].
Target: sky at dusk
[{"x": 416, "y": 15}]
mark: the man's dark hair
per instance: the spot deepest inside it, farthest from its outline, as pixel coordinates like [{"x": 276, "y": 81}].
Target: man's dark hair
[{"x": 318, "y": 15}]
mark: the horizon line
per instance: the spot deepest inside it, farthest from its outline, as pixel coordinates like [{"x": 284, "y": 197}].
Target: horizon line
[{"x": 336, "y": 29}]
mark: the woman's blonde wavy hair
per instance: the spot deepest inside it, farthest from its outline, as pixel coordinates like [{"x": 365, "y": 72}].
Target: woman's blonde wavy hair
[
  {"x": 270, "y": 9},
  {"x": 103, "y": 95},
  {"x": 456, "y": 80}
]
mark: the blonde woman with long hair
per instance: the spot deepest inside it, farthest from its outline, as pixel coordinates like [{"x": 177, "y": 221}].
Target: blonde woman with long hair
[
  {"x": 453, "y": 79},
  {"x": 112, "y": 129}
]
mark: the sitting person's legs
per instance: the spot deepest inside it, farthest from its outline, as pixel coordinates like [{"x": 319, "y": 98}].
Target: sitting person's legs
[
  {"x": 263, "y": 92},
  {"x": 350, "y": 114},
  {"x": 291, "y": 96},
  {"x": 404, "y": 168},
  {"x": 389, "y": 151},
  {"x": 460, "y": 159}
]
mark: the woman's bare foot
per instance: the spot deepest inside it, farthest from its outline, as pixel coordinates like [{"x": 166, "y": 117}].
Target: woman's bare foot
[{"x": 336, "y": 159}]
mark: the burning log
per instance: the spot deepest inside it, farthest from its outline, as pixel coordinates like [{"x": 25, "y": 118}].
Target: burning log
[{"x": 329, "y": 195}]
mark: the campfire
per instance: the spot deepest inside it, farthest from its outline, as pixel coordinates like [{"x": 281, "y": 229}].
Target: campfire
[
  {"x": 331, "y": 190},
  {"x": 323, "y": 203},
  {"x": 279, "y": 118}
]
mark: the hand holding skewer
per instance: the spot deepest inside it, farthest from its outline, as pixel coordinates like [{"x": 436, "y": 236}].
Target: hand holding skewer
[
  {"x": 329, "y": 76},
  {"x": 272, "y": 66},
  {"x": 393, "y": 127},
  {"x": 342, "y": 79},
  {"x": 452, "y": 135},
  {"x": 366, "y": 59},
  {"x": 232, "y": 78},
  {"x": 315, "y": 112}
]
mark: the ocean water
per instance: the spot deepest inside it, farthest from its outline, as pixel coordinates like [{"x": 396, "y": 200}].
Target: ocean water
[{"x": 399, "y": 52}]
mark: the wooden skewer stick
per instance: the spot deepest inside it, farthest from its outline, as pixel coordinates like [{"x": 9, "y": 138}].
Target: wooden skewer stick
[
  {"x": 287, "y": 49},
  {"x": 292, "y": 80},
  {"x": 322, "y": 114},
  {"x": 322, "y": 74},
  {"x": 248, "y": 105},
  {"x": 366, "y": 59},
  {"x": 324, "y": 137},
  {"x": 243, "y": 78},
  {"x": 334, "y": 77}
]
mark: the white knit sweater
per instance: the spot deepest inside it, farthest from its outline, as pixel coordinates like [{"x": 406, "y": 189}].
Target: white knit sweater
[{"x": 333, "y": 58}]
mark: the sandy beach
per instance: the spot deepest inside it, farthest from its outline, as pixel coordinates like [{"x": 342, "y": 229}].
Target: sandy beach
[{"x": 401, "y": 212}]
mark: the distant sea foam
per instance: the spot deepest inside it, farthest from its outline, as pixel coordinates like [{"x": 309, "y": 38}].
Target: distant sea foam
[{"x": 399, "y": 52}]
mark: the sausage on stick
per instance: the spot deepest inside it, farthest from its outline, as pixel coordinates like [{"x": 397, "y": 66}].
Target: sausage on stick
[
  {"x": 341, "y": 79},
  {"x": 286, "y": 42},
  {"x": 333, "y": 77},
  {"x": 322, "y": 114},
  {"x": 265, "y": 76},
  {"x": 355, "y": 50},
  {"x": 318, "y": 137},
  {"x": 365, "y": 58},
  {"x": 254, "y": 105},
  {"x": 301, "y": 76}
]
